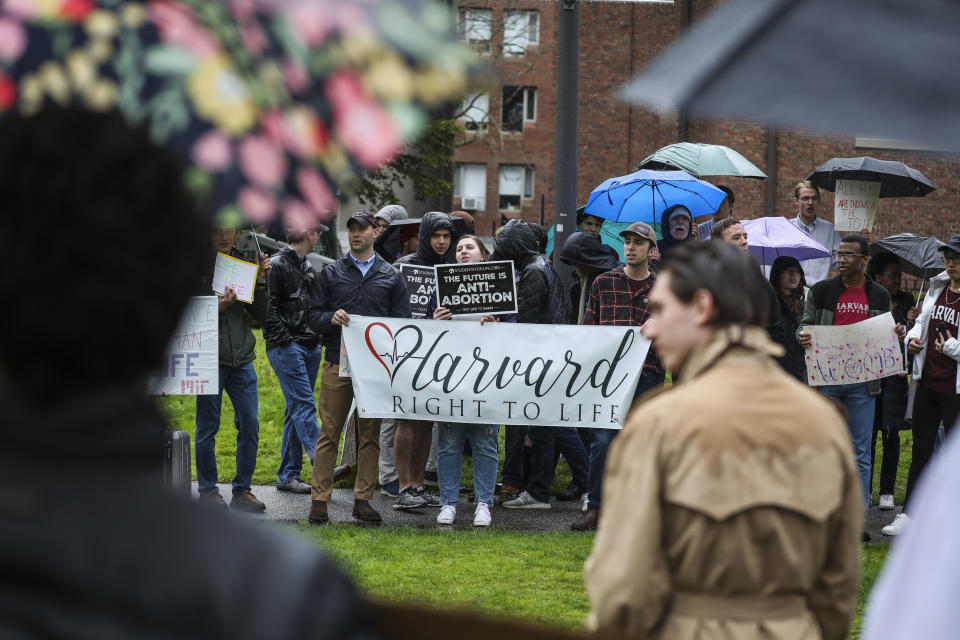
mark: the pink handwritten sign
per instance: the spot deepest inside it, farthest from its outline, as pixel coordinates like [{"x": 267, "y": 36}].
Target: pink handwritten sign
[{"x": 853, "y": 353}]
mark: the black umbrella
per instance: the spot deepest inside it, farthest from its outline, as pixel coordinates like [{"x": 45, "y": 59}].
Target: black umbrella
[
  {"x": 919, "y": 255},
  {"x": 896, "y": 179},
  {"x": 881, "y": 68}
]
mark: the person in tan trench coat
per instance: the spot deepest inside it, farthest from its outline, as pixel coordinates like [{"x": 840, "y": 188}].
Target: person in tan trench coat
[{"x": 734, "y": 507}]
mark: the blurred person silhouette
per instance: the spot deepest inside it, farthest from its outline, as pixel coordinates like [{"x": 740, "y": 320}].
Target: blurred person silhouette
[{"x": 94, "y": 545}]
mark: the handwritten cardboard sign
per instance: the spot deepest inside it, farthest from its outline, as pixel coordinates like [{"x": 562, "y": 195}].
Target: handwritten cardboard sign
[
  {"x": 190, "y": 364},
  {"x": 855, "y": 205},
  {"x": 239, "y": 275},
  {"x": 421, "y": 281},
  {"x": 853, "y": 353},
  {"x": 477, "y": 287}
]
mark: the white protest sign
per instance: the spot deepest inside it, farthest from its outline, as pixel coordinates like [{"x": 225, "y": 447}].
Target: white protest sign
[
  {"x": 855, "y": 205},
  {"x": 239, "y": 275},
  {"x": 191, "y": 363},
  {"x": 853, "y": 353},
  {"x": 499, "y": 373}
]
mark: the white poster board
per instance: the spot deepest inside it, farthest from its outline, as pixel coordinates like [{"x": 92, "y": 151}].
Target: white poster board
[
  {"x": 855, "y": 205},
  {"x": 237, "y": 274},
  {"x": 499, "y": 373},
  {"x": 191, "y": 363},
  {"x": 853, "y": 353}
]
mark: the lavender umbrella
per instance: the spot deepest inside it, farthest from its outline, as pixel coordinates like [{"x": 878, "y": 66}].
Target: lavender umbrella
[{"x": 776, "y": 236}]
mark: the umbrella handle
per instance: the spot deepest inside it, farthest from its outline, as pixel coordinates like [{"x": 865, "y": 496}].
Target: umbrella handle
[{"x": 920, "y": 295}]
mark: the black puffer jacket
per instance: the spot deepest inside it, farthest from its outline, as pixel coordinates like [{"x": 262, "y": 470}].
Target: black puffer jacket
[
  {"x": 585, "y": 250},
  {"x": 425, "y": 255},
  {"x": 292, "y": 281},
  {"x": 540, "y": 295},
  {"x": 381, "y": 292},
  {"x": 794, "y": 360}
]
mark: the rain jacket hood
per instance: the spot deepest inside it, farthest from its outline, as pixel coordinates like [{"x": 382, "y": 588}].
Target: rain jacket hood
[
  {"x": 516, "y": 241},
  {"x": 586, "y": 250},
  {"x": 781, "y": 264},
  {"x": 429, "y": 224},
  {"x": 668, "y": 241}
]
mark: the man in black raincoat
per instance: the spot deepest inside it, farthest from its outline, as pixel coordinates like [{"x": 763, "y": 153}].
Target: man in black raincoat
[
  {"x": 540, "y": 300},
  {"x": 411, "y": 446},
  {"x": 676, "y": 226},
  {"x": 584, "y": 252}
]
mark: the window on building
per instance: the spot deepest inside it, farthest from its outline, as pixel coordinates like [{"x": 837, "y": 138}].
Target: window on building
[
  {"x": 470, "y": 185},
  {"x": 475, "y": 111},
  {"x": 516, "y": 185},
  {"x": 520, "y": 29},
  {"x": 473, "y": 25},
  {"x": 518, "y": 105}
]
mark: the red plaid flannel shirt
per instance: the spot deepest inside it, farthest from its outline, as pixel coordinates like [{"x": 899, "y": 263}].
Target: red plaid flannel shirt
[{"x": 611, "y": 303}]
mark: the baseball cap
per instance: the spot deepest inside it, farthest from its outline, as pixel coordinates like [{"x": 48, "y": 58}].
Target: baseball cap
[
  {"x": 365, "y": 218},
  {"x": 953, "y": 244},
  {"x": 641, "y": 229}
]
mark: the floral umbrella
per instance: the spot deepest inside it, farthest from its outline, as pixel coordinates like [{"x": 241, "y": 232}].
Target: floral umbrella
[{"x": 273, "y": 105}]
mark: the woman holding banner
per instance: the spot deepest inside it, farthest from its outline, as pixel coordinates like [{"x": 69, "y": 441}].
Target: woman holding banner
[{"x": 451, "y": 436}]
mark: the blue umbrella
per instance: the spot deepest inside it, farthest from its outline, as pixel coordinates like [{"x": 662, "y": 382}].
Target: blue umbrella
[{"x": 642, "y": 196}]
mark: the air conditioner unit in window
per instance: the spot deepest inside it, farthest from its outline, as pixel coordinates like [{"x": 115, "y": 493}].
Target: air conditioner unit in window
[{"x": 473, "y": 203}]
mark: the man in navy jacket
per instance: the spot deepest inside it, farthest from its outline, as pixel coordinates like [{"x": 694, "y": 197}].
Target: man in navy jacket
[{"x": 360, "y": 283}]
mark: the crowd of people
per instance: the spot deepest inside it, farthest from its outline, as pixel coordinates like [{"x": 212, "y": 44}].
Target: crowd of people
[
  {"x": 730, "y": 505},
  {"x": 302, "y": 312}
]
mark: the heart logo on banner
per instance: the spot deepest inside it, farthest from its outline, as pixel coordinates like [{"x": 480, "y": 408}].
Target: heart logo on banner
[
  {"x": 376, "y": 355},
  {"x": 392, "y": 352}
]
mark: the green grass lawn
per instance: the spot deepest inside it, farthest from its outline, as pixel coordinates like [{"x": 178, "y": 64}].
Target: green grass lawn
[
  {"x": 533, "y": 577},
  {"x": 528, "y": 576}
]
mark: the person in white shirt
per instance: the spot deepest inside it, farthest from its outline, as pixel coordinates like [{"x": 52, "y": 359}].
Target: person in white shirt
[{"x": 806, "y": 197}]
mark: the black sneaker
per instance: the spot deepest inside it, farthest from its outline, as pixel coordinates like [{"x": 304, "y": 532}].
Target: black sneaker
[
  {"x": 430, "y": 478},
  {"x": 572, "y": 492}
]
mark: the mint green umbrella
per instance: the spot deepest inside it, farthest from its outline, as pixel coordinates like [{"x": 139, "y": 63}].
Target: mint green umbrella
[{"x": 702, "y": 159}]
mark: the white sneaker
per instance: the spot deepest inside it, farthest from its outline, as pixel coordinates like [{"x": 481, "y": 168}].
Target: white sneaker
[
  {"x": 886, "y": 502},
  {"x": 584, "y": 502},
  {"x": 447, "y": 514},
  {"x": 481, "y": 515},
  {"x": 898, "y": 526},
  {"x": 526, "y": 501}
]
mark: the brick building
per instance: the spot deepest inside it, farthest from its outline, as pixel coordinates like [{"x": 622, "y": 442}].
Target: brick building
[{"x": 505, "y": 162}]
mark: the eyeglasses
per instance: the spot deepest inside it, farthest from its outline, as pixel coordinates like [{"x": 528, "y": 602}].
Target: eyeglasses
[
  {"x": 224, "y": 231},
  {"x": 847, "y": 256},
  {"x": 954, "y": 258}
]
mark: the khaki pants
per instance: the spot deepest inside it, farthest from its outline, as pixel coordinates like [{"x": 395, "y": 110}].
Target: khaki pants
[{"x": 336, "y": 394}]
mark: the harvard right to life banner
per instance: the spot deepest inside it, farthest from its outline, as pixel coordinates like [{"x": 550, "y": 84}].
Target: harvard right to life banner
[{"x": 497, "y": 373}]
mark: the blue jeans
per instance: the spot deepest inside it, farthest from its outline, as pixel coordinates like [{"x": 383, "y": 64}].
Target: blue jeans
[
  {"x": 296, "y": 367},
  {"x": 240, "y": 384},
  {"x": 542, "y": 465},
  {"x": 860, "y": 405},
  {"x": 601, "y": 439},
  {"x": 483, "y": 442}
]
